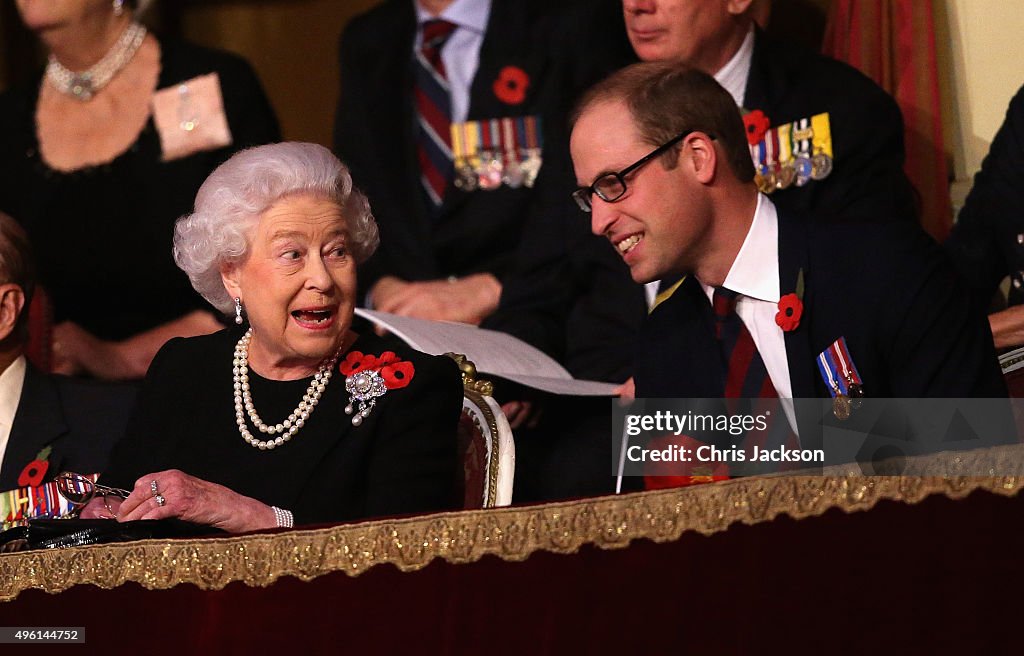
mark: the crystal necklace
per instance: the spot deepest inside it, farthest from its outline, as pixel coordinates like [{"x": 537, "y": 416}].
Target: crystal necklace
[
  {"x": 83, "y": 86},
  {"x": 244, "y": 406}
]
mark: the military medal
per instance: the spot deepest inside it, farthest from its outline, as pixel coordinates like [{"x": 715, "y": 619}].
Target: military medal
[
  {"x": 856, "y": 394},
  {"x": 768, "y": 161},
  {"x": 465, "y": 174},
  {"x": 821, "y": 162},
  {"x": 842, "y": 379},
  {"x": 841, "y": 406},
  {"x": 785, "y": 176},
  {"x": 765, "y": 177},
  {"x": 532, "y": 161},
  {"x": 489, "y": 171},
  {"x": 800, "y": 135},
  {"x": 513, "y": 173},
  {"x": 821, "y": 166}
]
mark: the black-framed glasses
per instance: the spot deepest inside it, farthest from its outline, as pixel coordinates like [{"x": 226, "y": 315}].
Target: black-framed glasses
[{"x": 610, "y": 187}]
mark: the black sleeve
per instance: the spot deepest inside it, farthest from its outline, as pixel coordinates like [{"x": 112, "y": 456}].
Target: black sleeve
[
  {"x": 941, "y": 346},
  {"x": 984, "y": 238},
  {"x": 867, "y": 131}
]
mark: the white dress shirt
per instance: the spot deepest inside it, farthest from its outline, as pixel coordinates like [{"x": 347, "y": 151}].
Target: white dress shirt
[
  {"x": 754, "y": 275},
  {"x": 461, "y": 53},
  {"x": 734, "y": 75},
  {"x": 11, "y": 382}
]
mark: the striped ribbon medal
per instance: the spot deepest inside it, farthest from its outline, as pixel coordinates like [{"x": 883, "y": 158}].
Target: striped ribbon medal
[{"x": 842, "y": 379}]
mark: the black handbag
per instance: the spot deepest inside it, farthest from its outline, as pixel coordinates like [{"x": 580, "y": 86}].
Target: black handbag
[{"x": 65, "y": 533}]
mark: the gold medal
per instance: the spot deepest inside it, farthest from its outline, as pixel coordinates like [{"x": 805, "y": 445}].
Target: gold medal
[
  {"x": 785, "y": 176},
  {"x": 821, "y": 166},
  {"x": 465, "y": 178},
  {"x": 765, "y": 183},
  {"x": 841, "y": 406}
]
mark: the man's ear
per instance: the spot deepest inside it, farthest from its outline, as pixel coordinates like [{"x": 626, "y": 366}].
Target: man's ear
[
  {"x": 12, "y": 302},
  {"x": 699, "y": 153},
  {"x": 738, "y": 7},
  {"x": 230, "y": 273}
]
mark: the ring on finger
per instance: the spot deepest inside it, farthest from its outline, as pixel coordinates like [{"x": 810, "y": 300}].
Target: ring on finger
[
  {"x": 160, "y": 500},
  {"x": 153, "y": 487}
]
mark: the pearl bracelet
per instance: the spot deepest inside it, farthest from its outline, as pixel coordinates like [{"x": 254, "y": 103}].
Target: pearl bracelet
[{"x": 283, "y": 517}]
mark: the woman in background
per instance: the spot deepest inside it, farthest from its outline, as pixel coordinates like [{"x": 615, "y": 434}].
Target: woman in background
[{"x": 99, "y": 154}]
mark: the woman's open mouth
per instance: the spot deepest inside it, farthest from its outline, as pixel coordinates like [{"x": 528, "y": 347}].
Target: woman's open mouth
[{"x": 314, "y": 319}]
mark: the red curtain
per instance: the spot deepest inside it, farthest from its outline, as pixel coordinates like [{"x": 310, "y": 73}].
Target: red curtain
[{"x": 893, "y": 42}]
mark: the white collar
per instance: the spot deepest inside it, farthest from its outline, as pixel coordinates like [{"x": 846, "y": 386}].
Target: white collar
[
  {"x": 755, "y": 271},
  {"x": 467, "y": 14},
  {"x": 733, "y": 76}
]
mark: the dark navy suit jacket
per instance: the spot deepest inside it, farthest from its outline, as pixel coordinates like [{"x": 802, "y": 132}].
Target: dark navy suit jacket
[
  {"x": 80, "y": 419},
  {"x": 886, "y": 287}
]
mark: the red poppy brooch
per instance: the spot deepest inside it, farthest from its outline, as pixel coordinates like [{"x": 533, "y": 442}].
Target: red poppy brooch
[
  {"x": 756, "y": 124},
  {"x": 791, "y": 307},
  {"x": 369, "y": 377},
  {"x": 511, "y": 85},
  {"x": 34, "y": 472}
]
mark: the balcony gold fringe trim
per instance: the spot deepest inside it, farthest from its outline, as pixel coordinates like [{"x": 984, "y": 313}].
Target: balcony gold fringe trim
[{"x": 509, "y": 533}]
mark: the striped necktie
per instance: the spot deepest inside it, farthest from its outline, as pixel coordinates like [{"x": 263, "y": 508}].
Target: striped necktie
[
  {"x": 433, "y": 112},
  {"x": 746, "y": 376}
]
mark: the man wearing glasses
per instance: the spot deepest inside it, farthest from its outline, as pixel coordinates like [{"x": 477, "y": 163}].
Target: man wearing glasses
[
  {"x": 781, "y": 80},
  {"x": 671, "y": 187}
]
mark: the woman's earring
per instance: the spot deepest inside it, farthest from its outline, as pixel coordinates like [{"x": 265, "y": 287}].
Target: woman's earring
[
  {"x": 118, "y": 7},
  {"x": 238, "y": 311}
]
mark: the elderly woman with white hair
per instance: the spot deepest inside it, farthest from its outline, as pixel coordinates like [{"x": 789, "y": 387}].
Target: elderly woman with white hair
[{"x": 247, "y": 428}]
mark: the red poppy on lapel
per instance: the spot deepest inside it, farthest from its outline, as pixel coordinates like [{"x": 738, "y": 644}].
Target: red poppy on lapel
[
  {"x": 791, "y": 306},
  {"x": 34, "y": 472},
  {"x": 511, "y": 85},
  {"x": 756, "y": 124},
  {"x": 791, "y": 309},
  {"x": 397, "y": 373}
]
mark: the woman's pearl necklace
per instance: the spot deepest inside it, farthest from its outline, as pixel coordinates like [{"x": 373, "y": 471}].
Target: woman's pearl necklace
[{"x": 244, "y": 405}]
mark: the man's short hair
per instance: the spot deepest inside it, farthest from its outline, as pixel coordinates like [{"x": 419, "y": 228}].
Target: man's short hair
[
  {"x": 17, "y": 266},
  {"x": 667, "y": 98}
]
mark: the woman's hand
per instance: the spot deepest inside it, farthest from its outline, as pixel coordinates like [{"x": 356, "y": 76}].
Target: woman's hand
[
  {"x": 101, "y": 507},
  {"x": 194, "y": 500}
]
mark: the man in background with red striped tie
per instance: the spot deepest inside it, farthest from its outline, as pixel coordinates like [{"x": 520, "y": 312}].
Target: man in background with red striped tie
[{"x": 444, "y": 111}]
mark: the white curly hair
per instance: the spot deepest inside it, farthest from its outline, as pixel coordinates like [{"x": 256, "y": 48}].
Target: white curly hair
[{"x": 230, "y": 202}]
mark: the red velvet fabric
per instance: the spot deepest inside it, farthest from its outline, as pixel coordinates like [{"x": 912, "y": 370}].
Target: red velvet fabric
[
  {"x": 39, "y": 350},
  {"x": 893, "y": 42},
  {"x": 941, "y": 576}
]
